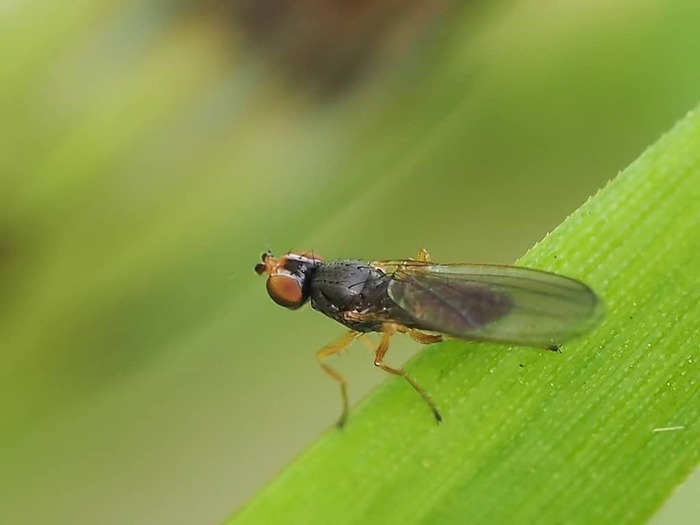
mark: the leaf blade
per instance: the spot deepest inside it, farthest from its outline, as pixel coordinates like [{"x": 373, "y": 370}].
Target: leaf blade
[{"x": 532, "y": 435}]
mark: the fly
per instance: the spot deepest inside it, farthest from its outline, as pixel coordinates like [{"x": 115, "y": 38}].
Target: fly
[{"x": 430, "y": 302}]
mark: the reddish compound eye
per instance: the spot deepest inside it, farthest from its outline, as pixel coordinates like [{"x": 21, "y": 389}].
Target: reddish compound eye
[{"x": 285, "y": 290}]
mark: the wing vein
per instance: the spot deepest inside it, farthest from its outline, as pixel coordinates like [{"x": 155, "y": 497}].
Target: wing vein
[{"x": 441, "y": 299}]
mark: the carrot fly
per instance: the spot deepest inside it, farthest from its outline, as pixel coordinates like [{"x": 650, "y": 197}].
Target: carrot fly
[{"x": 430, "y": 302}]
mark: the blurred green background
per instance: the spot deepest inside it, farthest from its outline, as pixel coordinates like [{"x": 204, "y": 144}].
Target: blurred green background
[{"x": 151, "y": 151}]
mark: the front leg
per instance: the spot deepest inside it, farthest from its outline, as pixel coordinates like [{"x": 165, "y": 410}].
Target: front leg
[{"x": 334, "y": 349}]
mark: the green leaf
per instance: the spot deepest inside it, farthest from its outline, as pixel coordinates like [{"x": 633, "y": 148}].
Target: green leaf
[{"x": 602, "y": 433}]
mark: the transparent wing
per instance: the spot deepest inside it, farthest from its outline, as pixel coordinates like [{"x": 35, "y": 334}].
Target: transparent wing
[{"x": 493, "y": 303}]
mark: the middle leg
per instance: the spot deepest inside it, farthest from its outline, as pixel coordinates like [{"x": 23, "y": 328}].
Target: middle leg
[{"x": 382, "y": 349}]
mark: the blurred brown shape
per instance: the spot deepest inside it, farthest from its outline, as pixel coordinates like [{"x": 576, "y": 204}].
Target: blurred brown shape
[{"x": 330, "y": 45}]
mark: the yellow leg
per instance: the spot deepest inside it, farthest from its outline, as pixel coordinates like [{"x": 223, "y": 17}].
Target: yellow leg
[
  {"x": 424, "y": 256},
  {"x": 367, "y": 340},
  {"x": 334, "y": 349},
  {"x": 379, "y": 362},
  {"x": 424, "y": 338}
]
